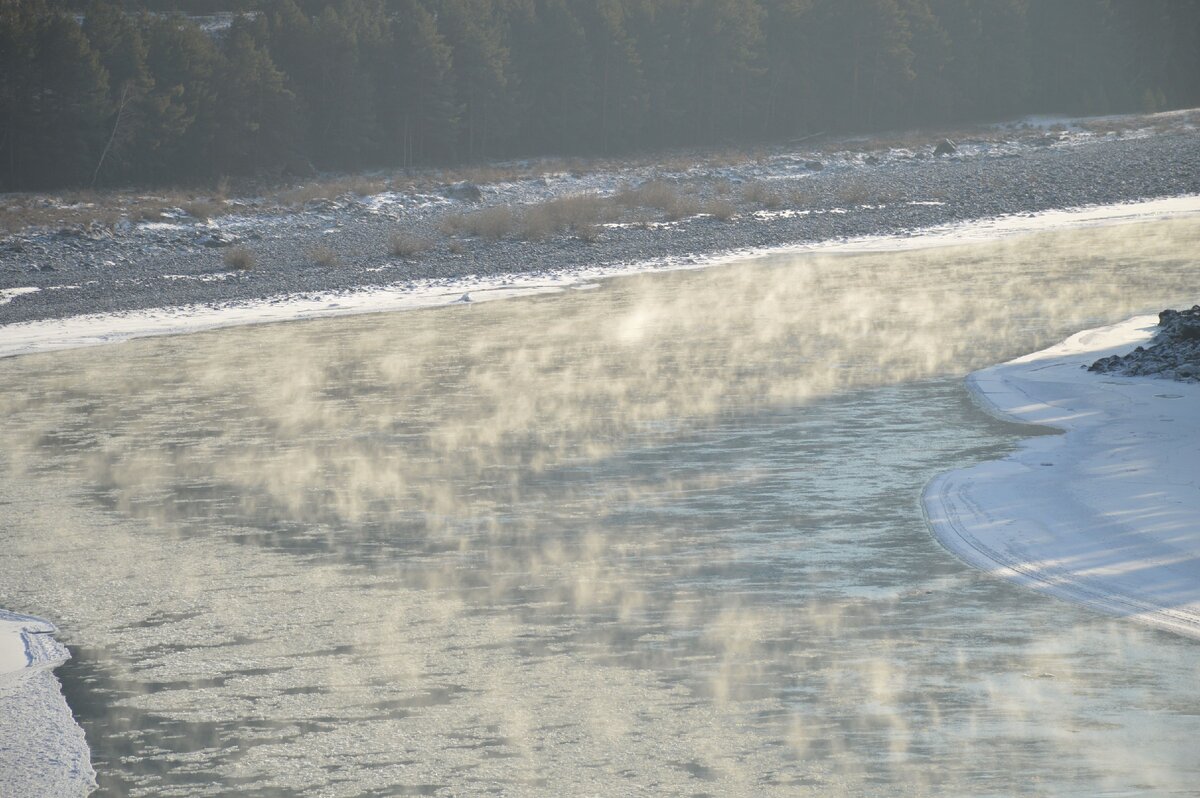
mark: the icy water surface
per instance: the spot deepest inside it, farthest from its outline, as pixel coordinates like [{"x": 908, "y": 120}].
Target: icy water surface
[{"x": 660, "y": 538}]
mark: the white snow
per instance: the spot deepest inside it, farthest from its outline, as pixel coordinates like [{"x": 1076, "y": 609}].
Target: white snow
[
  {"x": 1107, "y": 514},
  {"x": 43, "y": 753},
  {"x": 9, "y": 294}
]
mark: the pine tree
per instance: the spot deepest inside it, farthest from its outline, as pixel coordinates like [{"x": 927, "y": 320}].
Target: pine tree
[
  {"x": 418, "y": 109},
  {"x": 257, "y": 120},
  {"x": 54, "y": 97},
  {"x": 482, "y": 76},
  {"x": 115, "y": 37},
  {"x": 186, "y": 66}
]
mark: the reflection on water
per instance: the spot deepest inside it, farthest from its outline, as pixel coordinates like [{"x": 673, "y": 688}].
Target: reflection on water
[{"x": 664, "y": 535}]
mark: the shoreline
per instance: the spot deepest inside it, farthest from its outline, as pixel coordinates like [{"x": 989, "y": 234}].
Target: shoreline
[
  {"x": 52, "y": 334},
  {"x": 691, "y": 212},
  {"x": 36, "y": 724},
  {"x": 1103, "y": 515}
]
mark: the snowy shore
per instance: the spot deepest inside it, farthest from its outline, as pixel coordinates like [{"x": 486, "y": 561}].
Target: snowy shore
[
  {"x": 1105, "y": 514},
  {"x": 42, "y": 750},
  {"x": 792, "y": 195},
  {"x": 43, "y": 335}
]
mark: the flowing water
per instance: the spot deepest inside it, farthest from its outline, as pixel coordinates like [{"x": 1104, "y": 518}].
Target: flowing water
[{"x": 661, "y": 537}]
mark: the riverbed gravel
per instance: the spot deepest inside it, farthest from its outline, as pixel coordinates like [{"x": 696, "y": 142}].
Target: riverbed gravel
[{"x": 788, "y": 196}]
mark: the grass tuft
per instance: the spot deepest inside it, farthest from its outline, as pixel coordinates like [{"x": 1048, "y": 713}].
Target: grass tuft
[
  {"x": 239, "y": 258},
  {"x": 403, "y": 244},
  {"x": 324, "y": 256}
]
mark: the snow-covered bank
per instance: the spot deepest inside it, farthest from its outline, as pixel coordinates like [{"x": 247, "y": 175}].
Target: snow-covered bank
[
  {"x": 1107, "y": 514},
  {"x": 42, "y": 750},
  {"x": 95, "y": 329}
]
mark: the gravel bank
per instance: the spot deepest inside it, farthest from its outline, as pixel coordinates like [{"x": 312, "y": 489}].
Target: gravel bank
[
  {"x": 1174, "y": 352},
  {"x": 811, "y": 196}
]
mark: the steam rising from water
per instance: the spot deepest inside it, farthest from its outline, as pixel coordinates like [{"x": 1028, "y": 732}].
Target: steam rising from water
[{"x": 661, "y": 535}]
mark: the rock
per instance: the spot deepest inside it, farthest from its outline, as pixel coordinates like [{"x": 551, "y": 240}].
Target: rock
[
  {"x": 814, "y": 166},
  {"x": 218, "y": 239},
  {"x": 871, "y": 160},
  {"x": 945, "y": 147},
  {"x": 467, "y": 192},
  {"x": 1173, "y": 354}
]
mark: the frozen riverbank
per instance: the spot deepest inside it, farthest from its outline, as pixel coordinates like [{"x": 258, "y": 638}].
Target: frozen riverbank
[
  {"x": 689, "y": 209},
  {"x": 101, "y": 328},
  {"x": 42, "y": 750},
  {"x": 1104, "y": 515}
]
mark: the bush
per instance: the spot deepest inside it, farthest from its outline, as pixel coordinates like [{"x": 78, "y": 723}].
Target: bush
[
  {"x": 652, "y": 194},
  {"x": 324, "y": 256},
  {"x": 402, "y": 244},
  {"x": 495, "y": 222},
  {"x": 580, "y": 213},
  {"x": 239, "y": 258},
  {"x": 722, "y": 209},
  {"x": 760, "y": 193},
  {"x": 202, "y": 209},
  {"x": 587, "y": 232}
]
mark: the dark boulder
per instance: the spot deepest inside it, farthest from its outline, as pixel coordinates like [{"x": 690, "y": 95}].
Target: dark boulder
[{"x": 945, "y": 147}]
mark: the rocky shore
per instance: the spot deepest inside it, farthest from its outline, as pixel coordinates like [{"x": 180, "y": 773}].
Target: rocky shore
[
  {"x": 811, "y": 192},
  {"x": 1173, "y": 353}
]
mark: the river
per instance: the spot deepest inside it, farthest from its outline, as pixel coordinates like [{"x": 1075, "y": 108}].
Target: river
[{"x": 662, "y": 535}]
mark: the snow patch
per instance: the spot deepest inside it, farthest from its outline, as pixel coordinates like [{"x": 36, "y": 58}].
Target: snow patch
[{"x": 9, "y": 294}]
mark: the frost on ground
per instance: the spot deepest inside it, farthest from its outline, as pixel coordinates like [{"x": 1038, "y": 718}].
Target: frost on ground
[
  {"x": 44, "y": 753},
  {"x": 1104, "y": 515}
]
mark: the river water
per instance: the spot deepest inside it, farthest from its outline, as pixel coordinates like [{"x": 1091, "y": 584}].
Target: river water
[{"x": 658, "y": 537}]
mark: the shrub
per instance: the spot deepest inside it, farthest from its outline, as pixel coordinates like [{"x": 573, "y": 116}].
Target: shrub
[
  {"x": 324, "y": 256},
  {"x": 495, "y": 222},
  {"x": 722, "y": 209},
  {"x": 587, "y": 232},
  {"x": 403, "y": 244},
  {"x": 577, "y": 213},
  {"x": 652, "y": 194},
  {"x": 239, "y": 258},
  {"x": 538, "y": 222},
  {"x": 202, "y": 209},
  {"x": 760, "y": 193}
]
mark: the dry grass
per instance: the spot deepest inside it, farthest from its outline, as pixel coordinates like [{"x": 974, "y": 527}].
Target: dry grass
[
  {"x": 239, "y": 258},
  {"x": 298, "y": 196},
  {"x": 721, "y": 209},
  {"x": 587, "y": 232},
  {"x": 861, "y": 192},
  {"x": 85, "y": 209},
  {"x": 324, "y": 256},
  {"x": 659, "y": 195},
  {"x": 763, "y": 194},
  {"x": 404, "y": 244},
  {"x": 203, "y": 210},
  {"x": 495, "y": 223},
  {"x": 581, "y": 214},
  {"x": 653, "y": 194}
]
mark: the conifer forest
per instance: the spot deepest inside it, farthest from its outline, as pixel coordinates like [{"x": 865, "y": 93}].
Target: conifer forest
[{"x": 109, "y": 93}]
